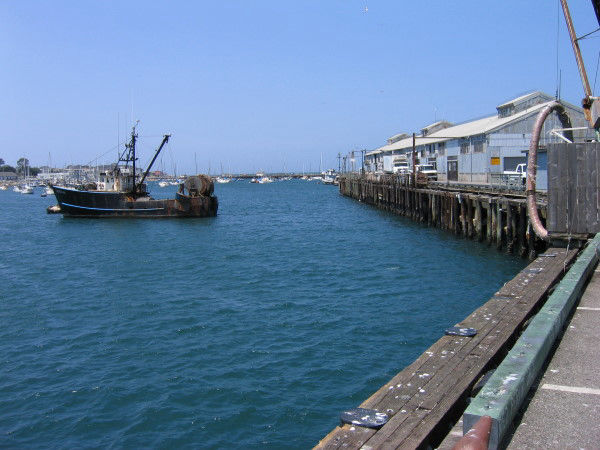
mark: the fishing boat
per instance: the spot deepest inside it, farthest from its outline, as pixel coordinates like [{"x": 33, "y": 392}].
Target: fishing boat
[{"x": 118, "y": 193}]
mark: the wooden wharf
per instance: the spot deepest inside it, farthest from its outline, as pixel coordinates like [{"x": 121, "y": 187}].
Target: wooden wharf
[
  {"x": 425, "y": 399},
  {"x": 488, "y": 214}
]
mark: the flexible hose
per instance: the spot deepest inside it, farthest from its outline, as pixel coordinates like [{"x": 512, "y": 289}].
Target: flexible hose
[{"x": 532, "y": 211}]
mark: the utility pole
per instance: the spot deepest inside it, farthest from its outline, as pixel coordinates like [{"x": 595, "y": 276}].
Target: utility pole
[
  {"x": 414, "y": 160},
  {"x": 362, "y": 163}
]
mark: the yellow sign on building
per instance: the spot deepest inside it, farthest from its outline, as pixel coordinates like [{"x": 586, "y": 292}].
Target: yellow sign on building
[{"x": 495, "y": 161}]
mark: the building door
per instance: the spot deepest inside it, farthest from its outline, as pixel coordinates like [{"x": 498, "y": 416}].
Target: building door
[{"x": 452, "y": 170}]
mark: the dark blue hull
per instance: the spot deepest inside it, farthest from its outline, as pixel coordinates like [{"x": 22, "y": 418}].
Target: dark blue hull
[{"x": 76, "y": 203}]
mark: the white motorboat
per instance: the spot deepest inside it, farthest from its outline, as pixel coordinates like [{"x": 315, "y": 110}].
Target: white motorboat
[{"x": 26, "y": 189}]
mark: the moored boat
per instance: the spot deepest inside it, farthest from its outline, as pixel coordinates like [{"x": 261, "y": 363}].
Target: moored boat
[{"x": 118, "y": 193}]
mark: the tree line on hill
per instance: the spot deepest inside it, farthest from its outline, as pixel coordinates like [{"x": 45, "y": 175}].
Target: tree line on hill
[{"x": 22, "y": 167}]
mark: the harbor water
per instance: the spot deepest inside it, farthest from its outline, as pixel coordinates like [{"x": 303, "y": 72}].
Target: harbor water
[{"x": 254, "y": 329}]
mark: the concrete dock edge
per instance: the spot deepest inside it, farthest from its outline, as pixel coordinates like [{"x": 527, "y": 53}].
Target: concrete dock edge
[{"x": 504, "y": 393}]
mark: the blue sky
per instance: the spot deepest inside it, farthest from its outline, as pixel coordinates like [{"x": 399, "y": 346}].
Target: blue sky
[{"x": 267, "y": 84}]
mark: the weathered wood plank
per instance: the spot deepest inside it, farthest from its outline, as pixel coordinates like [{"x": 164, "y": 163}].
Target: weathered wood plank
[
  {"x": 472, "y": 362},
  {"x": 553, "y": 177},
  {"x": 560, "y": 206},
  {"x": 591, "y": 191},
  {"x": 427, "y": 391}
]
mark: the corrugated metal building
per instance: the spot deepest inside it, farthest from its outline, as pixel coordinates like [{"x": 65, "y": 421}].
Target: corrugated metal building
[{"x": 472, "y": 152}]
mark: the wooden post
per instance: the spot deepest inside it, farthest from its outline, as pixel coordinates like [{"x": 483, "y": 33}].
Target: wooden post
[
  {"x": 509, "y": 228},
  {"x": 522, "y": 231},
  {"x": 531, "y": 241},
  {"x": 469, "y": 205},
  {"x": 498, "y": 225},
  {"x": 493, "y": 214},
  {"x": 452, "y": 222},
  {"x": 477, "y": 220},
  {"x": 463, "y": 218},
  {"x": 514, "y": 225}
]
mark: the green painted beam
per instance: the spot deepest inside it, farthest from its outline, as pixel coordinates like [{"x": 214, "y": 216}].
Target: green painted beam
[{"x": 503, "y": 394}]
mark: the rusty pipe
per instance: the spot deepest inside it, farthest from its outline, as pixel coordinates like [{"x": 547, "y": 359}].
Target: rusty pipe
[
  {"x": 532, "y": 212},
  {"x": 477, "y": 438}
]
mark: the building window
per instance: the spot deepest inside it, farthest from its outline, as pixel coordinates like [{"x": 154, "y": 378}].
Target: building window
[
  {"x": 478, "y": 147},
  {"x": 441, "y": 148},
  {"x": 464, "y": 148}
]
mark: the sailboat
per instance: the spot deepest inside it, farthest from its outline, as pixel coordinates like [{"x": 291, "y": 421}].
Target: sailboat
[
  {"x": 222, "y": 179},
  {"x": 118, "y": 193}
]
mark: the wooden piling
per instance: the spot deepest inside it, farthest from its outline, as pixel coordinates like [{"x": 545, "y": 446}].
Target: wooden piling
[{"x": 494, "y": 217}]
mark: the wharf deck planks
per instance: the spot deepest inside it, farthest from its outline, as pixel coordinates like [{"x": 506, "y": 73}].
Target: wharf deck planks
[{"x": 424, "y": 398}]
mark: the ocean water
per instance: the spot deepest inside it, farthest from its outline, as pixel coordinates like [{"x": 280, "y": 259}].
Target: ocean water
[{"x": 253, "y": 329}]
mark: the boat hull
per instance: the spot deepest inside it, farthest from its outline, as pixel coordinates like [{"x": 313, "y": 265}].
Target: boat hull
[{"x": 98, "y": 204}]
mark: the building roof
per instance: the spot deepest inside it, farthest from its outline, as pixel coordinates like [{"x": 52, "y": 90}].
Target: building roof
[
  {"x": 523, "y": 98},
  {"x": 436, "y": 126},
  {"x": 472, "y": 128},
  {"x": 396, "y": 138}
]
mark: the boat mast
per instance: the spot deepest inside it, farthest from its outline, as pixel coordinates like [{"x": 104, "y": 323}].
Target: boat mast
[{"x": 132, "y": 155}]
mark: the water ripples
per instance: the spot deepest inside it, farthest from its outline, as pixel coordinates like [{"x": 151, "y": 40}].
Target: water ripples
[{"x": 252, "y": 329}]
